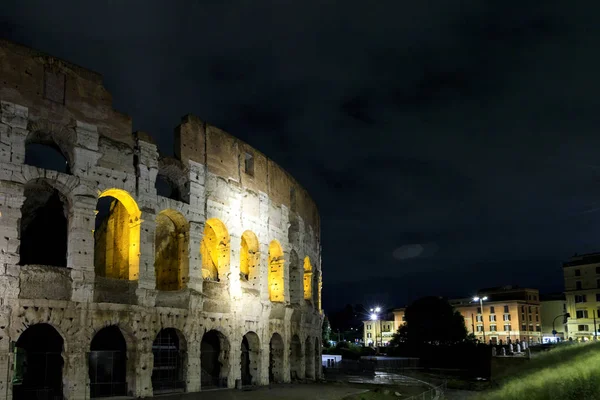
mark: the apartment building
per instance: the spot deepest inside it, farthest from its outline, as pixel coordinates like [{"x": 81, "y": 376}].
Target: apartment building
[
  {"x": 553, "y": 308},
  {"x": 378, "y": 332},
  {"x": 582, "y": 293},
  {"x": 508, "y": 312}
]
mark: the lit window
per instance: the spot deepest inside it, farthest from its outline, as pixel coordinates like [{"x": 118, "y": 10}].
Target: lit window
[{"x": 249, "y": 164}]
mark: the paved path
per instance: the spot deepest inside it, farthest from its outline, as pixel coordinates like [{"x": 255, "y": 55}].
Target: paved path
[{"x": 314, "y": 391}]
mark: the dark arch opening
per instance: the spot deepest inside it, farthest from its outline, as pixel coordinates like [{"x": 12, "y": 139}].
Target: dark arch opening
[
  {"x": 250, "y": 361},
  {"x": 213, "y": 360},
  {"x": 308, "y": 359},
  {"x": 108, "y": 363},
  {"x": 38, "y": 364},
  {"x": 276, "y": 359},
  {"x": 43, "y": 227},
  {"x": 169, "y": 355},
  {"x": 318, "y": 359},
  {"x": 166, "y": 188},
  {"x": 46, "y": 156}
]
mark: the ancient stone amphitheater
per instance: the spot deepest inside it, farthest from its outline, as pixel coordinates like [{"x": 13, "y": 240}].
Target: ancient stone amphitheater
[{"x": 124, "y": 273}]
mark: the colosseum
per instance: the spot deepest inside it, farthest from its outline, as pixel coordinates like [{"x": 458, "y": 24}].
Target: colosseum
[{"x": 127, "y": 273}]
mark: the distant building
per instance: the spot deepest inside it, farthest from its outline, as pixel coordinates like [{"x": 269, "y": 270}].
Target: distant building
[
  {"x": 582, "y": 293},
  {"x": 509, "y": 312},
  {"x": 378, "y": 332},
  {"x": 552, "y": 309}
]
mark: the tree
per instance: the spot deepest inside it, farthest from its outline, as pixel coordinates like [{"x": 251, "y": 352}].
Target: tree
[
  {"x": 326, "y": 332},
  {"x": 431, "y": 320}
]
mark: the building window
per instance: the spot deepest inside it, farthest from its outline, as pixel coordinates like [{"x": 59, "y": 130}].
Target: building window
[
  {"x": 368, "y": 335},
  {"x": 597, "y": 297},
  {"x": 530, "y": 327},
  {"x": 523, "y": 327},
  {"x": 522, "y": 309},
  {"x": 582, "y": 328},
  {"x": 492, "y": 318},
  {"x": 580, "y": 298},
  {"x": 598, "y": 270},
  {"x": 492, "y": 310},
  {"x": 479, "y": 318},
  {"x": 530, "y": 317},
  {"x": 523, "y": 317},
  {"x": 506, "y": 309},
  {"x": 578, "y": 285},
  {"x": 493, "y": 328},
  {"x": 537, "y": 318},
  {"x": 507, "y": 328},
  {"x": 404, "y": 318},
  {"x": 577, "y": 272},
  {"x": 479, "y": 328},
  {"x": 369, "y": 327},
  {"x": 478, "y": 310},
  {"x": 537, "y": 310},
  {"x": 598, "y": 314},
  {"x": 507, "y": 317},
  {"x": 249, "y": 164},
  {"x": 598, "y": 283},
  {"x": 535, "y": 297},
  {"x": 538, "y": 328},
  {"x": 582, "y": 314},
  {"x": 529, "y": 309}
]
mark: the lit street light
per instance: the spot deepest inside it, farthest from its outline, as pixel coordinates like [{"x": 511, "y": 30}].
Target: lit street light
[
  {"x": 374, "y": 317},
  {"x": 481, "y": 300}
]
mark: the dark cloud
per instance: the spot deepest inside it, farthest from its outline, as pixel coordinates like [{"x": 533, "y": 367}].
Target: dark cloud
[{"x": 462, "y": 133}]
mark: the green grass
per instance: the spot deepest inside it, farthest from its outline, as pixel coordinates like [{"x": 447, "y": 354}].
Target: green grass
[
  {"x": 386, "y": 392},
  {"x": 565, "y": 373}
]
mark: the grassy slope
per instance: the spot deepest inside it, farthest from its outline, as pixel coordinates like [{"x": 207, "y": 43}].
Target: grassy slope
[{"x": 570, "y": 372}]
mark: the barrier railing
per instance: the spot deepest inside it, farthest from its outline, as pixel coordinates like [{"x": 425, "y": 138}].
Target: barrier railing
[{"x": 435, "y": 393}]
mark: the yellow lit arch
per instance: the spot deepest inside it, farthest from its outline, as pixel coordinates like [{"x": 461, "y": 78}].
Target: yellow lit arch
[
  {"x": 117, "y": 241},
  {"x": 307, "y": 279},
  {"x": 214, "y": 250},
  {"x": 249, "y": 257},
  {"x": 276, "y": 272},
  {"x": 171, "y": 261}
]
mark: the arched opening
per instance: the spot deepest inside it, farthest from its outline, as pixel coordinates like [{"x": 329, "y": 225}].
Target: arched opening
[
  {"x": 214, "y": 359},
  {"x": 117, "y": 236},
  {"x": 307, "y": 279},
  {"x": 296, "y": 358},
  {"x": 44, "y": 226},
  {"x": 250, "y": 362},
  {"x": 309, "y": 365},
  {"x": 276, "y": 349},
  {"x": 276, "y": 272},
  {"x": 295, "y": 279},
  {"x": 249, "y": 258},
  {"x": 317, "y": 358},
  {"x": 171, "y": 262},
  {"x": 47, "y": 156},
  {"x": 214, "y": 250},
  {"x": 38, "y": 364},
  {"x": 108, "y": 363},
  {"x": 165, "y": 187},
  {"x": 168, "y": 372}
]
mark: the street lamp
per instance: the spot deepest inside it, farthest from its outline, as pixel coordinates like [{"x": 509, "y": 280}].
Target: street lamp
[
  {"x": 375, "y": 316},
  {"x": 481, "y": 300}
]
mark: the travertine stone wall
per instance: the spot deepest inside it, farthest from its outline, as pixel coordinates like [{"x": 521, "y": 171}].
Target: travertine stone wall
[{"x": 49, "y": 101}]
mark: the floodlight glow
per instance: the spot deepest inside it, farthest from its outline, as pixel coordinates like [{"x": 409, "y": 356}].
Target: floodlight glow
[
  {"x": 475, "y": 298},
  {"x": 377, "y": 309},
  {"x": 373, "y": 316},
  {"x": 484, "y": 298}
]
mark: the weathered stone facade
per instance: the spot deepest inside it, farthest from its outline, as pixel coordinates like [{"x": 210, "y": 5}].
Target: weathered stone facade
[{"x": 232, "y": 253}]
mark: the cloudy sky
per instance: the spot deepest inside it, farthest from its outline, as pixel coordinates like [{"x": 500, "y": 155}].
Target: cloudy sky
[{"x": 449, "y": 145}]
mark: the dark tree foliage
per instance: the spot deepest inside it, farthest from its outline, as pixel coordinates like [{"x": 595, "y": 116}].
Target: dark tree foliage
[
  {"x": 433, "y": 321},
  {"x": 326, "y": 332}
]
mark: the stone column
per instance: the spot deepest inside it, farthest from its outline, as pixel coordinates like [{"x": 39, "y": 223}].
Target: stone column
[
  {"x": 235, "y": 243},
  {"x": 11, "y": 200},
  {"x": 85, "y": 153},
  {"x": 195, "y": 258},
  {"x": 13, "y": 131},
  {"x": 75, "y": 372},
  {"x": 235, "y": 356},
  {"x": 146, "y": 290},
  {"x": 264, "y": 271},
  {"x": 193, "y": 365},
  {"x": 80, "y": 253}
]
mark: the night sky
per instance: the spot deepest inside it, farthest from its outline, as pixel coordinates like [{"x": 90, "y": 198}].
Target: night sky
[{"x": 449, "y": 145}]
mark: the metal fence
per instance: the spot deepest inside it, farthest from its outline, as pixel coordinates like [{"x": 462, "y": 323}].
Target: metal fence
[{"x": 435, "y": 393}]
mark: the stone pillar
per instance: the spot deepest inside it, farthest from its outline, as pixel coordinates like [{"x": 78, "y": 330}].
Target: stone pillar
[
  {"x": 11, "y": 200},
  {"x": 235, "y": 358},
  {"x": 13, "y": 131},
  {"x": 75, "y": 373},
  {"x": 235, "y": 243},
  {"x": 264, "y": 272},
  {"x": 195, "y": 258},
  {"x": 193, "y": 366},
  {"x": 85, "y": 153},
  {"x": 146, "y": 290},
  {"x": 80, "y": 253}
]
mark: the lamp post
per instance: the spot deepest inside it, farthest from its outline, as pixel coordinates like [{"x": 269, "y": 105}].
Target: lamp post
[
  {"x": 481, "y": 300},
  {"x": 375, "y": 316}
]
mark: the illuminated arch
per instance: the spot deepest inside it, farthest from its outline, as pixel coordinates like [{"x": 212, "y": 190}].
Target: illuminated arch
[
  {"x": 117, "y": 239},
  {"x": 249, "y": 258},
  {"x": 307, "y": 279},
  {"x": 276, "y": 272},
  {"x": 214, "y": 250},
  {"x": 171, "y": 261}
]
